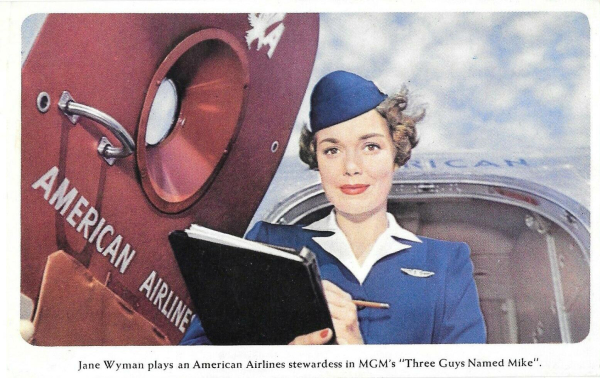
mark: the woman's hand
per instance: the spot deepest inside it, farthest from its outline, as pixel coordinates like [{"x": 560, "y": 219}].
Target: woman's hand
[
  {"x": 344, "y": 315},
  {"x": 315, "y": 338}
]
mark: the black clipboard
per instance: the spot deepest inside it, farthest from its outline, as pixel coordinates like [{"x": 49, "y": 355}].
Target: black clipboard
[{"x": 247, "y": 297}]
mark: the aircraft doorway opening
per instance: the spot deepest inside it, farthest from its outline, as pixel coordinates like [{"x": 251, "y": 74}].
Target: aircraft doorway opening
[{"x": 532, "y": 275}]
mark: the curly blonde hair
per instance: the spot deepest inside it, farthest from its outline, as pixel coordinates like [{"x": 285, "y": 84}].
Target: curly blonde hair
[{"x": 402, "y": 130}]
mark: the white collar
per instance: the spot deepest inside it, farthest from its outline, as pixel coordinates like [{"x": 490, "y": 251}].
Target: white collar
[{"x": 338, "y": 245}]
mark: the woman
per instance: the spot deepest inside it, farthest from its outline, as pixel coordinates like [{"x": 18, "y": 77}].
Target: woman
[{"x": 358, "y": 138}]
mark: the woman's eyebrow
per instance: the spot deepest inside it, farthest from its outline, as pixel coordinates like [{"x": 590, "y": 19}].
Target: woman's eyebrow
[
  {"x": 371, "y": 135},
  {"x": 330, "y": 140}
]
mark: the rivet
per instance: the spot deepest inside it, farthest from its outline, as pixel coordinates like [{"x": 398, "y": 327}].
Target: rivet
[
  {"x": 43, "y": 102},
  {"x": 274, "y": 146}
]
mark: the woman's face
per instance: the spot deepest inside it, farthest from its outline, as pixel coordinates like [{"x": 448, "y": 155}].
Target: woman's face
[{"x": 356, "y": 164}]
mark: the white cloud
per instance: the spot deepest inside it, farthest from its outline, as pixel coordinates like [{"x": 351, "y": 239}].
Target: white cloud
[
  {"x": 529, "y": 59},
  {"x": 483, "y": 21},
  {"x": 573, "y": 63},
  {"x": 577, "y": 110},
  {"x": 523, "y": 82},
  {"x": 535, "y": 27},
  {"x": 572, "y": 43},
  {"x": 553, "y": 93},
  {"x": 359, "y": 36},
  {"x": 497, "y": 96},
  {"x": 459, "y": 54}
]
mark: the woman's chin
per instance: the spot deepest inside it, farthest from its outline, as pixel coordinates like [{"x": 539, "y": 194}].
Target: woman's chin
[{"x": 358, "y": 211}]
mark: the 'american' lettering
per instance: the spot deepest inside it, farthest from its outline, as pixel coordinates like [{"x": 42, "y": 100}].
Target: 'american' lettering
[{"x": 88, "y": 225}]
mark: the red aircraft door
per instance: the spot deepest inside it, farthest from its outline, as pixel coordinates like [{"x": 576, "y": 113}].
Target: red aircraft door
[{"x": 236, "y": 85}]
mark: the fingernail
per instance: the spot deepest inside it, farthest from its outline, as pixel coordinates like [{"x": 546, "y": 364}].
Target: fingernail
[{"x": 324, "y": 333}]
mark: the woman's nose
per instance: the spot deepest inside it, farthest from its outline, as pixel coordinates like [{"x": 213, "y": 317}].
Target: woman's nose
[{"x": 352, "y": 164}]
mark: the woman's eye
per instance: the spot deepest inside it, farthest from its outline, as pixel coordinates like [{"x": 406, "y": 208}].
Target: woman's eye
[
  {"x": 331, "y": 151},
  {"x": 372, "y": 147}
]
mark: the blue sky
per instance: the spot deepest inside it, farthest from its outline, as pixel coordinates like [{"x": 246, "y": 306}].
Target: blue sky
[{"x": 491, "y": 82}]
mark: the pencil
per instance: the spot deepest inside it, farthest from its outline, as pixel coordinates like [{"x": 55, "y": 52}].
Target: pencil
[{"x": 370, "y": 304}]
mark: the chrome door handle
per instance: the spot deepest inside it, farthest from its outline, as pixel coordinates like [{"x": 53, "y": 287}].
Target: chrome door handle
[{"x": 109, "y": 152}]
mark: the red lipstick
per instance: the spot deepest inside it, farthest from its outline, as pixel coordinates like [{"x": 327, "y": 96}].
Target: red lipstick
[{"x": 353, "y": 189}]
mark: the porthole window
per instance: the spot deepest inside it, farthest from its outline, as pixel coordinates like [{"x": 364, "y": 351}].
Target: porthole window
[
  {"x": 191, "y": 117},
  {"x": 162, "y": 112}
]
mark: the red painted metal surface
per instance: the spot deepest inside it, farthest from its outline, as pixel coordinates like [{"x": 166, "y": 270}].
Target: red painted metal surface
[{"x": 108, "y": 62}]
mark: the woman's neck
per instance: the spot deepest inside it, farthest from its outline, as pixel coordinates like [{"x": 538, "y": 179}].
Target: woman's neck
[{"x": 362, "y": 230}]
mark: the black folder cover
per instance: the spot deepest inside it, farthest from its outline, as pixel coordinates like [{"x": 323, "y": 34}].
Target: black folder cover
[{"x": 245, "y": 297}]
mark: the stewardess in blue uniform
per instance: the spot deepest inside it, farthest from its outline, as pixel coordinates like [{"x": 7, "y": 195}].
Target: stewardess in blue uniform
[{"x": 422, "y": 290}]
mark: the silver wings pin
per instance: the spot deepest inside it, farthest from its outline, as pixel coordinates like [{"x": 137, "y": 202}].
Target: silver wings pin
[{"x": 417, "y": 272}]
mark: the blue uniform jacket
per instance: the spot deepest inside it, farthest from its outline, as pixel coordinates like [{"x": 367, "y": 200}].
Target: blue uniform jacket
[{"x": 441, "y": 308}]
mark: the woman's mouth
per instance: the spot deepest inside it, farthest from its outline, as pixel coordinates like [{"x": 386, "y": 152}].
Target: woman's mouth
[{"x": 354, "y": 189}]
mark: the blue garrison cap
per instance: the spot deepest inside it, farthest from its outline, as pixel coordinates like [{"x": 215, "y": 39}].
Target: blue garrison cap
[{"x": 341, "y": 96}]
